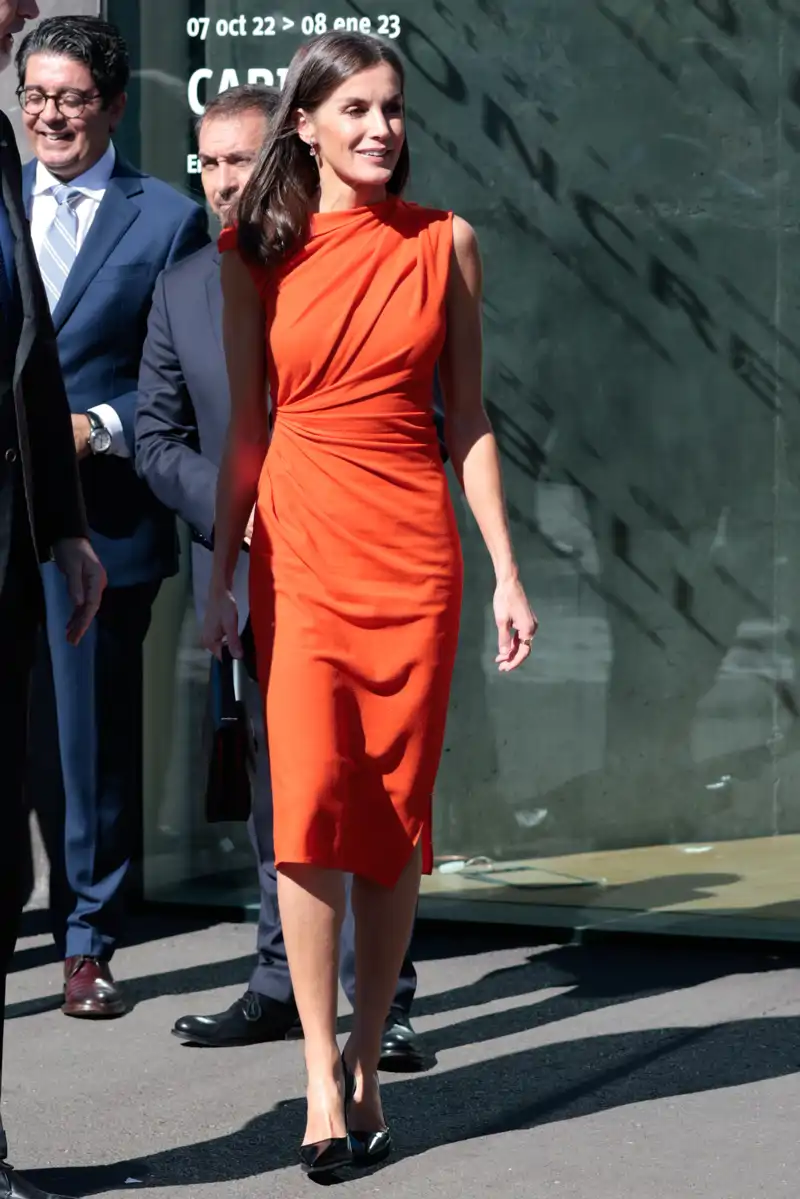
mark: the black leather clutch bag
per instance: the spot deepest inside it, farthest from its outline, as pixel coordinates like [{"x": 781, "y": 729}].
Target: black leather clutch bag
[{"x": 231, "y": 748}]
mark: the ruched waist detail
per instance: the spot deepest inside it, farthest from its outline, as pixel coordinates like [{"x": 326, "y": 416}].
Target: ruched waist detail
[{"x": 389, "y": 422}]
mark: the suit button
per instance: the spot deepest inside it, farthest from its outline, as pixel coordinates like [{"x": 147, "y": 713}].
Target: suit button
[{"x": 11, "y": 455}]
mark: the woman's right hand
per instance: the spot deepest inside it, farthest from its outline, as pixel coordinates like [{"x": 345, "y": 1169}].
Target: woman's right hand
[{"x": 221, "y": 624}]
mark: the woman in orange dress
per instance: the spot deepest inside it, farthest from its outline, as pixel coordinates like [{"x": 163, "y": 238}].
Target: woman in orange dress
[{"x": 340, "y": 300}]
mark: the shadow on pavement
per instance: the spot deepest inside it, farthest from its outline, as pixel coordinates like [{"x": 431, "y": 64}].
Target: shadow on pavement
[
  {"x": 508, "y": 1094},
  {"x": 431, "y": 943},
  {"x": 599, "y": 976},
  {"x": 186, "y": 981},
  {"x": 515, "y": 1091},
  {"x": 148, "y": 926}
]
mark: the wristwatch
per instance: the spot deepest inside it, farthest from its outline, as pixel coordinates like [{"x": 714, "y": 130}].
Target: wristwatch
[{"x": 99, "y": 436}]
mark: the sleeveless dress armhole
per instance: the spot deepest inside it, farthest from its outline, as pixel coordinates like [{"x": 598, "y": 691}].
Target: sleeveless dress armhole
[
  {"x": 444, "y": 249},
  {"x": 229, "y": 240},
  {"x": 440, "y": 233}
]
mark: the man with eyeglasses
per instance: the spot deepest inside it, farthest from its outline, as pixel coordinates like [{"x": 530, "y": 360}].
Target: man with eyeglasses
[
  {"x": 102, "y": 231},
  {"x": 41, "y": 516}
]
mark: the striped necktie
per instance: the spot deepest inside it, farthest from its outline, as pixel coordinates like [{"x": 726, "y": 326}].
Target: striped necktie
[{"x": 60, "y": 246}]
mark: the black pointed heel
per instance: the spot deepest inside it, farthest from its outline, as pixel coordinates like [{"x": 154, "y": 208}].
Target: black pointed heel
[
  {"x": 368, "y": 1148},
  {"x": 323, "y": 1157},
  {"x": 349, "y": 1087}
]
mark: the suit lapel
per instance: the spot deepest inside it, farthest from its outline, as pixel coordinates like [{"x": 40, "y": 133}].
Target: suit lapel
[
  {"x": 214, "y": 297},
  {"x": 30, "y": 287},
  {"x": 114, "y": 217}
]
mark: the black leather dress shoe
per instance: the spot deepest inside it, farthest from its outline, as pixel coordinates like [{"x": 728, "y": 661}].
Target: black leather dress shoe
[
  {"x": 401, "y": 1049},
  {"x": 249, "y": 1021},
  {"x": 14, "y": 1186}
]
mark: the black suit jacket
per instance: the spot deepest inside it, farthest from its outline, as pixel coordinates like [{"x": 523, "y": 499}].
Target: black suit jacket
[
  {"x": 43, "y": 433},
  {"x": 184, "y": 406}
]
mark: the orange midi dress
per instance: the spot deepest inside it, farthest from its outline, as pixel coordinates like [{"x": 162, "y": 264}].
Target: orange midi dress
[{"x": 355, "y": 562}]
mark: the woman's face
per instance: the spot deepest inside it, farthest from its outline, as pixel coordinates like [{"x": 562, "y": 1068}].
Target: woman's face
[{"x": 358, "y": 132}]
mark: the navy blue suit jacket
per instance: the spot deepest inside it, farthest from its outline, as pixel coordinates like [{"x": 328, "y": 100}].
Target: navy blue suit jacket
[
  {"x": 184, "y": 407},
  {"x": 141, "y": 226}
]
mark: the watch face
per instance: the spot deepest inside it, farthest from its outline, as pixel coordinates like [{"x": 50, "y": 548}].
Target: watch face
[{"x": 100, "y": 440}]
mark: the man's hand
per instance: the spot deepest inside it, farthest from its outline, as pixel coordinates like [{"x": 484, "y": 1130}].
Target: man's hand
[
  {"x": 81, "y": 429},
  {"x": 86, "y": 581}
]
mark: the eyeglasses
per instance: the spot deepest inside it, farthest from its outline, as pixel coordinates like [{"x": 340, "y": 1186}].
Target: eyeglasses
[{"x": 70, "y": 103}]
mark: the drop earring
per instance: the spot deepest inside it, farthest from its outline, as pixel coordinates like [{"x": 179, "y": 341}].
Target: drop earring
[{"x": 312, "y": 149}]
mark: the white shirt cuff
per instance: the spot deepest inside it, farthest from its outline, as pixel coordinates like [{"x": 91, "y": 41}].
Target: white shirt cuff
[{"x": 110, "y": 419}]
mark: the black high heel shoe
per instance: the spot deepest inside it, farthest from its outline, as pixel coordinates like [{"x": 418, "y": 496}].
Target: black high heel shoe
[
  {"x": 323, "y": 1157},
  {"x": 367, "y": 1148}
]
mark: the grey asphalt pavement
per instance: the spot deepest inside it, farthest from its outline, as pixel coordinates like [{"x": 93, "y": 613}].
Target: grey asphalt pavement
[{"x": 617, "y": 1071}]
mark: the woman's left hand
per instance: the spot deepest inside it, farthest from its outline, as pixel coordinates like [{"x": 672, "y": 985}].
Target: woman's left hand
[{"x": 516, "y": 625}]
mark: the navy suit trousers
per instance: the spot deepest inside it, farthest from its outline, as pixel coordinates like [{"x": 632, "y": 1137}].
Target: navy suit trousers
[{"x": 87, "y": 702}]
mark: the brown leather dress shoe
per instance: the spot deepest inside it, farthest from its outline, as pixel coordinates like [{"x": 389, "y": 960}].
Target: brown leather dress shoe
[{"x": 90, "y": 990}]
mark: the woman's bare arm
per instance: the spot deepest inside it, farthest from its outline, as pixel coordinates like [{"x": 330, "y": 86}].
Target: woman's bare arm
[
  {"x": 247, "y": 440},
  {"x": 471, "y": 442}
]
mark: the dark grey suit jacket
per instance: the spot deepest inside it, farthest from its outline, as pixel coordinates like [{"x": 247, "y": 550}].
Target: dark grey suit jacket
[
  {"x": 33, "y": 384},
  {"x": 183, "y": 407}
]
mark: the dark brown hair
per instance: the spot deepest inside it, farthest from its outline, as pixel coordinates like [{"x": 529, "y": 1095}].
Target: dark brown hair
[
  {"x": 274, "y": 207},
  {"x": 247, "y": 97}
]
